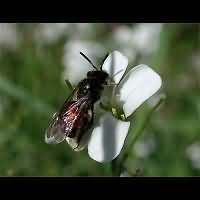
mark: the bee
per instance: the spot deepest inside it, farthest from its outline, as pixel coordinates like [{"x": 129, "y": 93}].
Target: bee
[{"x": 76, "y": 115}]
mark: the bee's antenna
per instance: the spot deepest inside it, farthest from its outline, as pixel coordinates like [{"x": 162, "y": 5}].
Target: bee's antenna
[
  {"x": 116, "y": 73},
  {"x": 88, "y": 60},
  {"x": 104, "y": 60}
]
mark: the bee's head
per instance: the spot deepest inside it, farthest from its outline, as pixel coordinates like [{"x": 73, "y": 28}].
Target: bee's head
[{"x": 100, "y": 76}]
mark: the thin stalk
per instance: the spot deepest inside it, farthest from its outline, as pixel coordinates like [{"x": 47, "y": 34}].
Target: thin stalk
[
  {"x": 128, "y": 150},
  {"x": 20, "y": 94}
]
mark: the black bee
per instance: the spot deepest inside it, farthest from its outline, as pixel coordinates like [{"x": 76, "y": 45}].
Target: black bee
[{"x": 75, "y": 117}]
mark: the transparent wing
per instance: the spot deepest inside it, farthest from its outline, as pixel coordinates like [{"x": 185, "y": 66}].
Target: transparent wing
[
  {"x": 64, "y": 122},
  {"x": 81, "y": 131},
  {"x": 54, "y": 133}
]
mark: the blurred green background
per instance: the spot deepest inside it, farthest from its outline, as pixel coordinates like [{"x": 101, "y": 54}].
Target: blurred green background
[{"x": 34, "y": 64}]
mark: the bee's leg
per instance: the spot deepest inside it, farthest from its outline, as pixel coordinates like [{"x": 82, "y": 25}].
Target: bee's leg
[
  {"x": 78, "y": 139},
  {"x": 72, "y": 134},
  {"x": 69, "y": 85}
]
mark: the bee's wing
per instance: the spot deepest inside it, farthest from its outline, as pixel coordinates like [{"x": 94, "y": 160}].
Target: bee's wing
[
  {"x": 64, "y": 122},
  {"x": 54, "y": 133},
  {"x": 79, "y": 137}
]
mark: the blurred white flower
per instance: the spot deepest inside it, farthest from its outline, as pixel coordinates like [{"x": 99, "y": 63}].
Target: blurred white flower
[
  {"x": 83, "y": 30},
  {"x": 108, "y": 133},
  {"x": 196, "y": 60},
  {"x": 8, "y": 35},
  {"x": 193, "y": 154},
  {"x": 146, "y": 37},
  {"x": 142, "y": 38},
  {"x": 123, "y": 37},
  {"x": 50, "y": 32},
  {"x": 144, "y": 148},
  {"x": 124, "y": 34},
  {"x": 125, "y": 174},
  {"x": 76, "y": 67}
]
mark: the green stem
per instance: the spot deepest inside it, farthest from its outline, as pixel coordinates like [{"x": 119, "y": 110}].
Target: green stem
[
  {"x": 114, "y": 167},
  {"x": 128, "y": 150}
]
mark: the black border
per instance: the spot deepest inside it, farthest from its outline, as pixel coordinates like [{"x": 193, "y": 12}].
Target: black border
[
  {"x": 99, "y": 185},
  {"x": 101, "y": 12}
]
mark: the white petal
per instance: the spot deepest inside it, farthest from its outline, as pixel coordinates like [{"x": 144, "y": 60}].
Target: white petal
[
  {"x": 107, "y": 138},
  {"x": 115, "y": 65},
  {"x": 136, "y": 87}
]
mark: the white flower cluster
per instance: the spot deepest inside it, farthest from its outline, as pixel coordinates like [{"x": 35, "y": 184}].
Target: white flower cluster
[
  {"x": 50, "y": 32},
  {"x": 142, "y": 38}
]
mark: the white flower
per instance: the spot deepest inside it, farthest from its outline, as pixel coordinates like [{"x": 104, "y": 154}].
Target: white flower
[
  {"x": 76, "y": 67},
  {"x": 195, "y": 58},
  {"x": 50, "y": 32},
  {"x": 141, "y": 82},
  {"x": 125, "y": 174},
  {"x": 8, "y": 35},
  {"x": 83, "y": 30},
  {"x": 141, "y": 38},
  {"x": 146, "y": 36},
  {"x": 193, "y": 154},
  {"x": 144, "y": 148}
]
